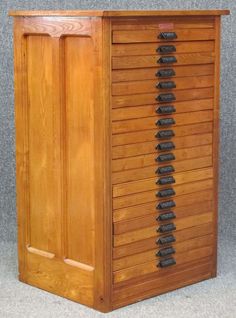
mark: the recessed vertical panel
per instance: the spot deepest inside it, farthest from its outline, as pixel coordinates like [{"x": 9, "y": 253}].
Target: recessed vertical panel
[
  {"x": 79, "y": 147},
  {"x": 43, "y": 145}
]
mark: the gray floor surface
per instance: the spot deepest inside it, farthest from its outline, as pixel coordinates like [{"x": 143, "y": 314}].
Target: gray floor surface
[{"x": 211, "y": 299}]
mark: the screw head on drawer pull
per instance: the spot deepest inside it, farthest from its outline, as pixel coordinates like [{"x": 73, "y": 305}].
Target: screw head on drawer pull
[
  {"x": 169, "y": 97},
  {"x": 167, "y": 36},
  {"x": 165, "y": 251},
  {"x": 166, "y": 262},
  {"x": 166, "y": 216},
  {"x": 166, "y": 240},
  {"x": 165, "y": 169},
  {"x": 167, "y": 60},
  {"x": 165, "y": 146},
  {"x": 165, "y": 110},
  {"x": 166, "y": 85},
  {"x": 166, "y": 205},
  {"x": 165, "y": 134},
  {"x": 165, "y": 72},
  {"x": 165, "y": 193},
  {"x": 165, "y": 157},
  {"x": 165, "y": 122},
  {"x": 166, "y": 49},
  {"x": 166, "y": 180},
  {"x": 166, "y": 228}
]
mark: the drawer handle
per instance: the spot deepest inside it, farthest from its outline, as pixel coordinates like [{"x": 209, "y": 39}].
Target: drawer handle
[
  {"x": 166, "y": 205},
  {"x": 165, "y": 146},
  {"x": 166, "y": 180},
  {"x": 166, "y": 251},
  {"x": 165, "y": 193},
  {"x": 165, "y": 122},
  {"x": 165, "y": 157},
  {"x": 167, "y": 262},
  {"x": 166, "y": 85},
  {"x": 166, "y": 228},
  {"x": 167, "y": 60},
  {"x": 165, "y": 73},
  {"x": 166, "y": 216},
  {"x": 166, "y": 240},
  {"x": 170, "y": 97},
  {"x": 166, "y": 49},
  {"x": 162, "y": 134},
  {"x": 167, "y": 35},
  {"x": 165, "y": 109},
  {"x": 165, "y": 170}
]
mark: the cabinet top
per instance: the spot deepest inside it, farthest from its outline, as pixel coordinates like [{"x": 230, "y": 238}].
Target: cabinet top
[{"x": 119, "y": 13}]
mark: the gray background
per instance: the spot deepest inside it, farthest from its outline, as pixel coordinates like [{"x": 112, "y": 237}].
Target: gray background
[{"x": 227, "y": 215}]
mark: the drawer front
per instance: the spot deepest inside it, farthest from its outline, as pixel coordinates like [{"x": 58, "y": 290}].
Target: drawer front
[{"x": 163, "y": 100}]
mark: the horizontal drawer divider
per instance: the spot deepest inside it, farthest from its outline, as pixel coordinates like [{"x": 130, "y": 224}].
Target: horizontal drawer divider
[
  {"x": 140, "y": 210},
  {"x": 149, "y": 196},
  {"x": 126, "y": 62},
  {"x": 135, "y": 74},
  {"x": 149, "y": 86},
  {"x": 150, "y": 255},
  {"x": 144, "y": 233},
  {"x": 134, "y": 49},
  {"x": 149, "y": 267},
  {"x": 150, "y": 134},
  {"x": 145, "y": 99},
  {"x": 150, "y": 243},
  {"x": 150, "y": 183}
]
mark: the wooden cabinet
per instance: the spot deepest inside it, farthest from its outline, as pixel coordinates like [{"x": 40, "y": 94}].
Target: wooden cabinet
[{"x": 117, "y": 151}]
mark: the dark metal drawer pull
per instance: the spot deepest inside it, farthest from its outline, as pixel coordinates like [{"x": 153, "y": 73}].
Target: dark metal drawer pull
[
  {"x": 166, "y": 180},
  {"x": 166, "y": 97},
  {"x": 165, "y": 122},
  {"x": 165, "y": 193},
  {"x": 165, "y": 109},
  {"x": 166, "y": 240},
  {"x": 166, "y": 85},
  {"x": 166, "y": 49},
  {"x": 165, "y": 170},
  {"x": 166, "y": 251},
  {"x": 167, "y": 35},
  {"x": 167, "y": 262},
  {"x": 165, "y": 73},
  {"x": 166, "y": 216},
  {"x": 166, "y": 228},
  {"x": 165, "y": 146},
  {"x": 166, "y": 205},
  {"x": 165, "y": 157},
  {"x": 167, "y": 60},
  {"x": 162, "y": 134}
]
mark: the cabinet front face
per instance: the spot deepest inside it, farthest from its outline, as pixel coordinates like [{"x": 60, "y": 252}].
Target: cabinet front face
[{"x": 164, "y": 153}]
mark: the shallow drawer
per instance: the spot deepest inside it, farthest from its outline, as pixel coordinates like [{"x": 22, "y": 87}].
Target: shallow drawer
[
  {"x": 150, "y": 72},
  {"x": 135, "y": 36},
  {"x": 150, "y": 86},
  {"x": 152, "y": 48}
]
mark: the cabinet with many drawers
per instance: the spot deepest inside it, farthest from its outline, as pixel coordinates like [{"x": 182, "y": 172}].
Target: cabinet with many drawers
[{"x": 117, "y": 151}]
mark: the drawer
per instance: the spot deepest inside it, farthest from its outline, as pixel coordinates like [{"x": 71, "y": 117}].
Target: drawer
[
  {"x": 191, "y": 201},
  {"x": 142, "y": 61},
  {"x": 150, "y": 255},
  {"x": 150, "y": 72},
  {"x": 152, "y": 86},
  {"x": 151, "y": 183},
  {"x": 147, "y": 232},
  {"x": 150, "y": 243},
  {"x": 136, "y": 36},
  {"x": 152, "y": 48},
  {"x": 149, "y": 99},
  {"x": 150, "y": 135}
]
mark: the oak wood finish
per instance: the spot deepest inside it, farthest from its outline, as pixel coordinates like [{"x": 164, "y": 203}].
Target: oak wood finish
[{"x": 86, "y": 123}]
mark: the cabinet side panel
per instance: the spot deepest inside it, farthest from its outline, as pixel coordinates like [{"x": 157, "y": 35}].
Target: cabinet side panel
[{"x": 79, "y": 143}]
